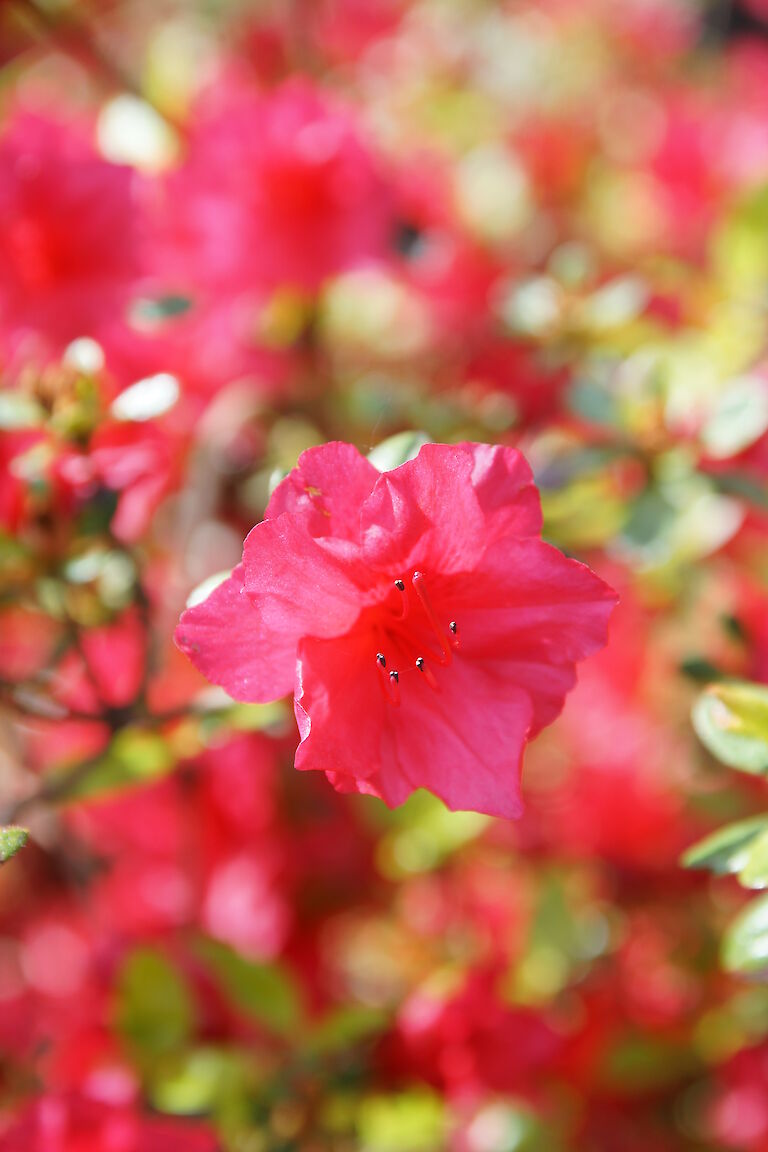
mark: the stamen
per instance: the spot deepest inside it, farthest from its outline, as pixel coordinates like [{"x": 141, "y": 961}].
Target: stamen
[
  {"x": 389, "y": 681},
  {"x": 454, "y": 639},
  {"x": 428, "y": 674},
  {"x": 421, "y": 592},
  {"x": 400, "y": 585}
]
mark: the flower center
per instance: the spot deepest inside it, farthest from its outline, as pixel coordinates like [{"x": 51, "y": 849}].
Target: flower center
[{"x": 407, "y": 634}]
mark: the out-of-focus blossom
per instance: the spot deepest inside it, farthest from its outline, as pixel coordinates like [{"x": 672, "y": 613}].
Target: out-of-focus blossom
[
  {"x": 77, "y": 1124},
  {"x": 69, "y": 231},
  {"x": 276, "y": 191}
]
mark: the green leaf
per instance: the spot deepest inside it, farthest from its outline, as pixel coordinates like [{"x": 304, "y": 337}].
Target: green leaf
[
  {"x": 698, "y": 669},
  {"x": 639, "y": 1063},
  {"x": 266, "y": 992},
  {"x": 18, "y": 410},
  {"x": 727, "y": 850},
  {"x": 155, "y": 1011},
  {"x": 745, "y": 946},
  {"x": 205, "y": 1079},
  {"x": 203, "y": 590},
  {"x": 739, "y": 417},
  {"x": 135, "y": 756},
  {"x": 147, "y": 399},
  {"x": 593, "y": 401},
  {"x": 754, "y": 873},
  {"x": 155, "y": 311},
  {"x": 12, "y": 840},
  {"x": 743, "y": 486},
  {"x": 731, "y": 720},
  {"x": 345, "y": 1027},
  {"x": 511, "y": 1126},
  {"x": 396, "y": 450},
  {"x": 411, "y": 1121}
]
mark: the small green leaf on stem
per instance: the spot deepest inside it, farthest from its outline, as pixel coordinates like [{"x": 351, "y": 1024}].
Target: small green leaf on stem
[
  {"x": 731, "y": 720},
  {"x": 727, "y": 850},
  {"x": 397, "y": 450},
  {"x": 745, "y": 947},
  {"x": 12, "y": 840}
]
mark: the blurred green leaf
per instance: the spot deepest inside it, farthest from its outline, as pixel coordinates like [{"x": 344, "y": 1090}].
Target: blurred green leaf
[
  {"x": 512, "y": 1127},
  {"x": 266, "y": 992},
  {"x": 346, "y": 1027},
  {"x": 147, "y": 399},
  {"x": 409, "y": 1122},
  {"x": 754, "y": 873},
  {"x": 204, "y": 589},
  {"x": 727, "y": 850},
  {"x": 12, "y": 840},
  {"x": 698, "y": 669},
  {"x": 154, "y": 311},
  {"x": 741, "y": 485},
  {"x": 593, "y": 401},
  {"x": 423, "y": 834},
  {"x": 397, "y": 450},
  {"x": 205, "y": 1080},
  {"x": 745, "y": 946},
  {"x": 18, "y": 410},
  {"x": 731, "y": 720},
  {"x": 155, "y": 1010},
  {"x": 739, "y": 417},
  {"x": 135, "y": 756},
  {"x": 645, "y": 1063}
]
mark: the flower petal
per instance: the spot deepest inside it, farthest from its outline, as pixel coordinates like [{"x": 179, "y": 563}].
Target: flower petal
[
  {"x": 441, "y": 509},
  {"x": 302, "y": 585},
  {"x": 340, "y": 708},
  {"x": 328, "y": 487},
  {"x": 227, "y": 641},
  {"x": 464, "y": 742},
  {"x": 530, "y": 614}
]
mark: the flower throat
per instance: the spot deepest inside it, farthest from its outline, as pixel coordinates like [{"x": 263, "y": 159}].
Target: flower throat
[{"x": 447, "y": 639}]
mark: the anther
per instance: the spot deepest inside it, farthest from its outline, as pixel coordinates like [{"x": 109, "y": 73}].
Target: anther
[
  {"x": 400, "y": 585},
  {"x": 418, "y": 583},
  {"x": 427, "y": 672},
  {"x": 390, "y": 681}
]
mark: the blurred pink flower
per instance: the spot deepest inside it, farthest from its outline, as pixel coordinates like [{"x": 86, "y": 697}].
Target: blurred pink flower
[
  {"x": 77, "y": 1124},
  {"x": 136, "y": 461},
  {"x": 276, "y": 190},
  {"x": 426, "y": 630},
  {"x": 68, "y": 232}
]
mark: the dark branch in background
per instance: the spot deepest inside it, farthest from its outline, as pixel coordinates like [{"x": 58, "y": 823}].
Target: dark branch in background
[
  {"x": 728, "y": 20},
  {"x": 56, "y": 787}
]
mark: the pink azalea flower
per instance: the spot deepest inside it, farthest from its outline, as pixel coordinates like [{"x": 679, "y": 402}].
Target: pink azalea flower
[
  {"x": 68, "y": 229},
  {"x": 76, "y": 1123},
  {"x": 277, "y": 189},
  {"x": 426, "y": 630}
]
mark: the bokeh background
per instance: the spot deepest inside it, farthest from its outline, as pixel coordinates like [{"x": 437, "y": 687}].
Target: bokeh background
[{"x": 232, "y": 230}]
